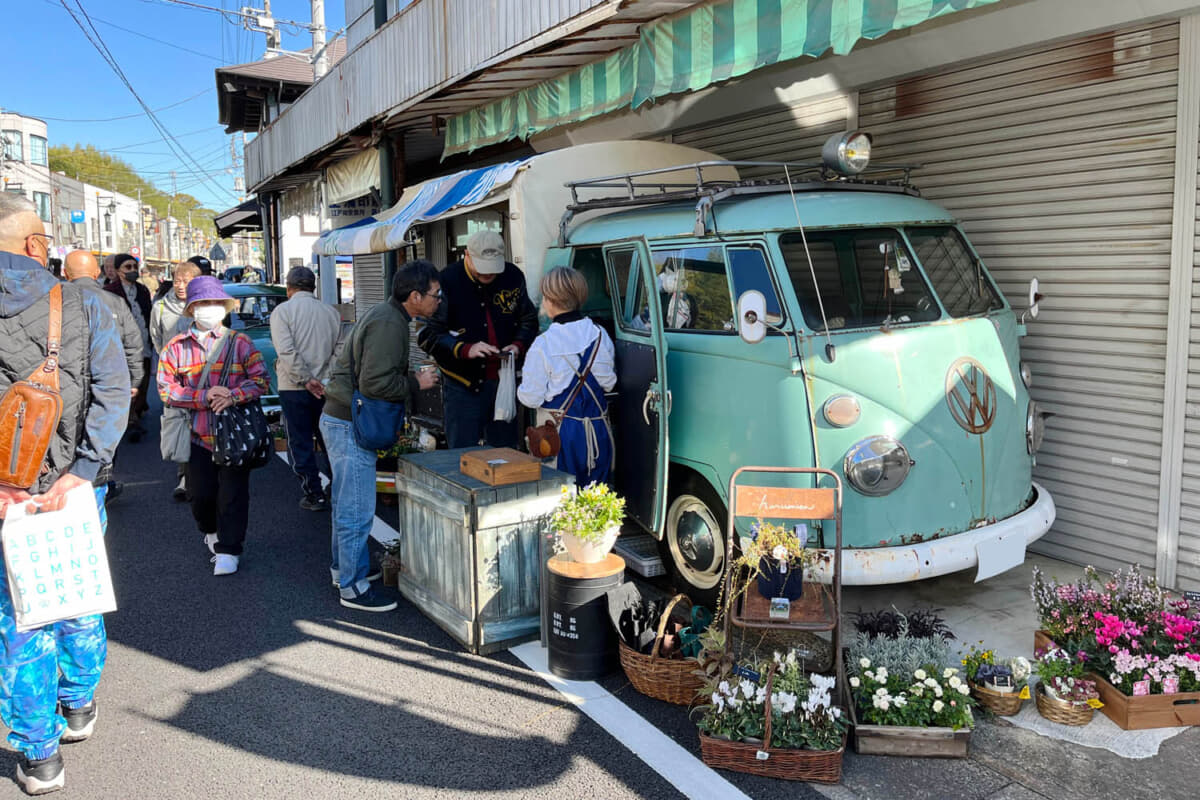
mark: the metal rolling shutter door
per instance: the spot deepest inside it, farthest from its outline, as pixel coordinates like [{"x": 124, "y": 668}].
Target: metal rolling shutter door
[
  {"x": 785, "y": 134},
  {"x": 1060, "y": 162},
  {"x": 1188, "y": 565},
  {"x": 368, "y": 282}
]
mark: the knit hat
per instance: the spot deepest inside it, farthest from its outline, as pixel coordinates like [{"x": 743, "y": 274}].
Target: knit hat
[{"x": 206, "y": 287}]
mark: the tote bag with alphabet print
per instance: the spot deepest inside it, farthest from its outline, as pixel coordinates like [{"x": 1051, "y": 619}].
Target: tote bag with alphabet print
[{"x": 56, "y": 562}]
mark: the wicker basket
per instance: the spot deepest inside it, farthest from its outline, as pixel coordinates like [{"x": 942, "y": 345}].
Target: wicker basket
[
  {"x": 818, "y": 766},
  {"x": 1061, "y": 711},
  {"x": 1004, "y": 704},
  {"x": 668, "y": 679}
]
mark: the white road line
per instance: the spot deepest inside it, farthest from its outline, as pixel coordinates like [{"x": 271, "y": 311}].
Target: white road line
[{"x": 683, "y": 770}]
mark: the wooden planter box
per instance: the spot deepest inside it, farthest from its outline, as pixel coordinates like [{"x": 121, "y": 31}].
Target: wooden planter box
[
  {"x": 901, "y": 740},
  {"x": 1142, "y": 712}
]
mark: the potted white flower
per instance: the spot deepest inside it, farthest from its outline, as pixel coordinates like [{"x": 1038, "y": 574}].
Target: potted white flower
[{"x": 588, "y": 521}]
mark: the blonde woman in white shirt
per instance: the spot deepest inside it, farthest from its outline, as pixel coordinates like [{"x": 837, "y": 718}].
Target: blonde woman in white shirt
[{"x": 567, "y": 371}]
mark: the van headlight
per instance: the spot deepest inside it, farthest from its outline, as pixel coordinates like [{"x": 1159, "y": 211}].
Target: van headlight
[
  {"x": 1035, "y": 427},
  {"x": 1026, "y": 375},
  {"x": 877, "y": 465}
]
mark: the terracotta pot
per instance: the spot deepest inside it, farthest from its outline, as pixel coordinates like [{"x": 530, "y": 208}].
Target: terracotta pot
[{"x": 590, "y": 552}]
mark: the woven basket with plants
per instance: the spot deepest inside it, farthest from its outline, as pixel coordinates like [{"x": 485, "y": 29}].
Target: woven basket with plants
[
  {"x": 786, "y": 728},
  {"x": 999, "y": 685},
  {"x": 1064, "y": 695},
  {"x": 658, "y": 674}
]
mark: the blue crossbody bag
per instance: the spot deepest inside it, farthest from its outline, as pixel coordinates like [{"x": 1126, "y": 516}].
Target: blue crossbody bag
[{"x": 377, "y": 424}]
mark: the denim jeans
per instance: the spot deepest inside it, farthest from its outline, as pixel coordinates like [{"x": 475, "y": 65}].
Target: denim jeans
[
  {"x": 469, "y": 417},
  {"x": 30, "y": 665},
  {"x": 353, "y": 501},
  {"x": 301, "y": 415}
]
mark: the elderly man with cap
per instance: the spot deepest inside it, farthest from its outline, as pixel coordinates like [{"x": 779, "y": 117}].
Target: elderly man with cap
[
  {"x": 486, "y": 313},
  {"x": 220, "y": 495},
  {"x": 305, "y": 334}
]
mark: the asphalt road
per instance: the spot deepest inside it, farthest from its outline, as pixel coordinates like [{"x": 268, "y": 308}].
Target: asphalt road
[{"x": 260, "y": 685}]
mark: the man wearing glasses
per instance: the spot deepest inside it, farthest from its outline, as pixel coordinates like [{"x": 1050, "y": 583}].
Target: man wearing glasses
[{"x": 305, "y": 334}]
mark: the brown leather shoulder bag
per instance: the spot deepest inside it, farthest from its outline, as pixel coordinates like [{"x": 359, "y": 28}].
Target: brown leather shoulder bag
[{"x": 30, "y": 411}]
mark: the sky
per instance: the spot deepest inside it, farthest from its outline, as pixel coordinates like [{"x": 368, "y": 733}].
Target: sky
[{"x": 68, "y": 84}]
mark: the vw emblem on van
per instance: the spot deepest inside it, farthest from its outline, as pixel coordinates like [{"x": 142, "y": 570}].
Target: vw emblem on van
[{"x": 971, "y": 395}]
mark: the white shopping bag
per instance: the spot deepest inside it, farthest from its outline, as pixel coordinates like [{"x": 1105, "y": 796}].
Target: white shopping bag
[
  {"x": 506, "y": 392},
  {"x": 56, "y": 562}
]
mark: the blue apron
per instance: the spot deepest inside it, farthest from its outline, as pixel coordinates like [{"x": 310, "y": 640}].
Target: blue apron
[{"x": 587, "y": 443}]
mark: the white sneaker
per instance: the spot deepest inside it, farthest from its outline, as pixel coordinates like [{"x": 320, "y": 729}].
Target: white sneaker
[
  {"x": 224, "y": 564},
  {"x": 210, "y": 541}
]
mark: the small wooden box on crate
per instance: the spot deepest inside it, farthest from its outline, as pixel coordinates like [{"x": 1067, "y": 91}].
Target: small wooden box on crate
[
  {"x": 1137, "y": 713},
  {"x": 471, "y": 554}
]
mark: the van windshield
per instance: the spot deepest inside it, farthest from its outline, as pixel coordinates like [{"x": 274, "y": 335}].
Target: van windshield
[
  {"x": 956, "y": 274},
  {"x": 866, "y": 277}
]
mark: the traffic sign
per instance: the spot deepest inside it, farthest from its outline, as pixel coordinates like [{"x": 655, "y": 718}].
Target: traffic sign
[
  {"x": 77, "y": 217},
  {"x": 216, "y": 254},
  {"x": 135, "y": 251}
]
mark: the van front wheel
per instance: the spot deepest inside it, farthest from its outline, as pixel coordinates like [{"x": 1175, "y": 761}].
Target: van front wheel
[{"x": 693, "y": 543}]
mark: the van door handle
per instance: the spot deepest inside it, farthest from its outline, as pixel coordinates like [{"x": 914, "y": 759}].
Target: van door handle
[{"x": 652, "y": 396}]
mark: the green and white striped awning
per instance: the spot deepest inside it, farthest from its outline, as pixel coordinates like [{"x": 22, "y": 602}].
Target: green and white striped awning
[{"x": 708, "y": 44}]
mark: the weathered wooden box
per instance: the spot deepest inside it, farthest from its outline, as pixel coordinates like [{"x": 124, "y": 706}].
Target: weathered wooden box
[
  {"x": 901, "y": 740},
  {"x": 471, "y": 554}
]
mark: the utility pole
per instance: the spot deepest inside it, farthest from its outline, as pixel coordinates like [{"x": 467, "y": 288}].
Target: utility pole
[
  {"x": 191, "y": 234},
  {"x": 267, "y": 22},
  {"x": 141, "y": 227},
  {"x": 320, "y": 61}
]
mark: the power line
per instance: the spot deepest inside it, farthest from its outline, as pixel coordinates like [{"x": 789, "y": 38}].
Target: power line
[
  {"x": 236, "y": 16},
  {"x": 102, "y": 48},
  {"x": 126, "y": 116},
  {"x": 172, "y": 45}
]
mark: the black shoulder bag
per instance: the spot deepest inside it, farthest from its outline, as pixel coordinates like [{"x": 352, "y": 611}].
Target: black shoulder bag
[{"x": 240, "y": 434}]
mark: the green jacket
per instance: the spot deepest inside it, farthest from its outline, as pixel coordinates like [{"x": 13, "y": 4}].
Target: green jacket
[{"x": 379, "y": 346}]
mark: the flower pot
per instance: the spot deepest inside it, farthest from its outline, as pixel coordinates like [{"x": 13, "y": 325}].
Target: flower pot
[
  {"x": 589, "y": 552},
  {"x": 1064, "y": 712},
  {"x": 774, "y": 583}
]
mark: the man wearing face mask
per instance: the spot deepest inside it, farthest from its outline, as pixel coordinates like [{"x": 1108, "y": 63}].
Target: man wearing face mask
[
  {"x": 39, "y": 707},
  {"x": 220, "y": 495},
  {"x": 137, "y": 297}
]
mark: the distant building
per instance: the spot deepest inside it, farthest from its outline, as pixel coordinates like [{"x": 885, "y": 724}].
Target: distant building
[{"x": 24, "y": 160}]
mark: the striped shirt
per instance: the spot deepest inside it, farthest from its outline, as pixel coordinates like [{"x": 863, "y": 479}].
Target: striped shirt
[{"x": 183, "y": 360}]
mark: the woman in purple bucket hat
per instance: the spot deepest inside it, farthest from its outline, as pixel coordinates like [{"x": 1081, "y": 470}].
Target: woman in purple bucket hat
[{"x": 220, "y": 495}]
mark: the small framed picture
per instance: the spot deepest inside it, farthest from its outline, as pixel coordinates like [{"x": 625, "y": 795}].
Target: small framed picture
[{"x": 781, "y": 608}]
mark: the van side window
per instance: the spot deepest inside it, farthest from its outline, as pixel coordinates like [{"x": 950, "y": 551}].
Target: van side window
[
  {"x": 630, "y": 287},
  {"x": 694, "y": 289},
  {"x": 866, "y": 277},
  {"x": 589, "y": 262},
  {"x": 748, "y": 266}
]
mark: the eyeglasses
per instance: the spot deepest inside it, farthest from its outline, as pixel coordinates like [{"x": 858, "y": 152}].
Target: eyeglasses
[
  {"x": 45, "y": 236},
  {"x": 437, "y": 294}
]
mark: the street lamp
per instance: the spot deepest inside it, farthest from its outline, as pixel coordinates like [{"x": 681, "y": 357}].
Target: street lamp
[{"x": 112, "y": 209}]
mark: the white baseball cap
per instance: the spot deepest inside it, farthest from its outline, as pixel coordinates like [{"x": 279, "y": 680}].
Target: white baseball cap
[{"x": 486, "y": 249}]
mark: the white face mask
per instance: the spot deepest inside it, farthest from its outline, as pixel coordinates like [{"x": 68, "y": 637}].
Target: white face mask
[{"x": 208, "y": 317}]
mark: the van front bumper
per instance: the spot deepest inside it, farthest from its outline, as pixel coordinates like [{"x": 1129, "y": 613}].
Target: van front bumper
[{"x": 913, "y": 562}]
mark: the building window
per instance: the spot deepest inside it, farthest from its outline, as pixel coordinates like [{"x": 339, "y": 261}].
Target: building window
[
  {"x": 37, "y": 151},
  {"x": 42, "y": 201},
  {"x": 12, "y": 145}
]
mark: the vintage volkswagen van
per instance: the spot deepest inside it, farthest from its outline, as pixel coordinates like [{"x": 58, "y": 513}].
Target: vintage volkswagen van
[
  {"x": 821, "y": 320},
  {"x": 811, "y": 316}
]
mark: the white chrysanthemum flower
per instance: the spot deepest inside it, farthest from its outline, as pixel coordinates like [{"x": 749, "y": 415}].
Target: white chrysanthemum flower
[
  {"x": 938, "y": 705},
  {"x": 884, "y": 704},
  {"x": 864, "y": 662},
  {"x": 920, "y": 674},
  {"x": 871, "y": 675},
  {"x": 948, "y": 672},
  {"x": 882, "y": 674},
  {"x": 955, "y": 682},
  {"x": 881, "y": 691},
  {"x": 937, "y": 691},
  {"x": 901, "y": 701},
  {"x": 855, "y": 682},
  {"x": 931, "y": 682},
  {"x": 963, "y": 689}
]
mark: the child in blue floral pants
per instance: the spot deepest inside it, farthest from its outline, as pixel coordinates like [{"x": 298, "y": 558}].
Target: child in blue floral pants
[{"x": 58, "y": 663}]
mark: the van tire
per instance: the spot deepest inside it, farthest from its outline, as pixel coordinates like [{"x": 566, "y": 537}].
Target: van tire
[{"x": 693, "y": 543}]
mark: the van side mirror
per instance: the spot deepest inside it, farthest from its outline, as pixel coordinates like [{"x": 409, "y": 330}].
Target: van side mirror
[
  {"x": 1035, "y": 297},
  {"x": 752, "y": 313}
]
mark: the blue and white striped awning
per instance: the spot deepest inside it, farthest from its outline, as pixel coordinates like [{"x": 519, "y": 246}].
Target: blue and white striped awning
[{"x": 424, "y": 202}]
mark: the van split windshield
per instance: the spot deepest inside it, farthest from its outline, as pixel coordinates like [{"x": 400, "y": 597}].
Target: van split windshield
[{"x": 867, "y": 277}]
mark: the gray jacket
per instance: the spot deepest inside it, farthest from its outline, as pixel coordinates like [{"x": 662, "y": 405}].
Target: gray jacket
[
  {"x": 127, "y": 327},
  {"x": 94, "y": 376},
  {"x": 167, "y": 320},
  {"x": 305, "y": 333}
]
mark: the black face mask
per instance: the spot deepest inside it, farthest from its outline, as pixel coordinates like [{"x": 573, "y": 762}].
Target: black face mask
[{"x": 130, "y": 275}]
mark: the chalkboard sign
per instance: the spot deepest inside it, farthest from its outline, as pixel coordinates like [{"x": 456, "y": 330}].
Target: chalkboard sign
[
  {"x": 747, "y": 673},
  {"x": 1192, "y": 597}
]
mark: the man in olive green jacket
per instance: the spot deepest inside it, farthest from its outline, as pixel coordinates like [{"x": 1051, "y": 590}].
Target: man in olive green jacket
[{"x": 375, "y": 362}]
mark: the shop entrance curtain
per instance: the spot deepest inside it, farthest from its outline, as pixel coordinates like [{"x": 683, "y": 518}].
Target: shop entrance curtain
[{"x": 706, "y": 45}]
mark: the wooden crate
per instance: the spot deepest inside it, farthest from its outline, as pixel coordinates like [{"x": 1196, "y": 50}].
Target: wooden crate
[
  {"x": 901, "y": 740},
  {"x": 1143, "y": 712},
  {"x": 500, "y": 466},
  {"x": 471, "y": 553}
]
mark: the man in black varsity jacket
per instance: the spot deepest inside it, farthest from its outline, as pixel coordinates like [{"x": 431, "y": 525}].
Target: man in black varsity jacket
[{"x": 486, "y": 313}]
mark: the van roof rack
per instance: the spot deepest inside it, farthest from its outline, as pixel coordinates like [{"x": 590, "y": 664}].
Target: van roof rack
[{"x": 640, "y": 188}]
